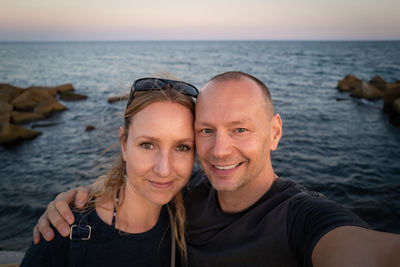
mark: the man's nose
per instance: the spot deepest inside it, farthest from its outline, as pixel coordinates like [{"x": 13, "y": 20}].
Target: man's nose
[
  {"x": 222, "y": 145},
  {"x": 163, "y": 164}
]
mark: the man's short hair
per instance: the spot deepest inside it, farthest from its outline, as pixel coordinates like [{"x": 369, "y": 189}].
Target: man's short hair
[{"x": 237, "y": 75}]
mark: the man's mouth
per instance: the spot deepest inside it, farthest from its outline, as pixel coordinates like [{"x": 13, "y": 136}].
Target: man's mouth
[{"x": 227, "y": 167}]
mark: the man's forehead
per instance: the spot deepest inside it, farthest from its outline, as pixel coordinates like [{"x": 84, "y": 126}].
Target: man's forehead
[
  {"x": 230, "y": 92},
  {"x": 232, "y": 87}
]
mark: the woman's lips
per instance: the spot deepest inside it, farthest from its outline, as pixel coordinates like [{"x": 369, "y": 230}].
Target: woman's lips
[{"x": 161, "y": 185}]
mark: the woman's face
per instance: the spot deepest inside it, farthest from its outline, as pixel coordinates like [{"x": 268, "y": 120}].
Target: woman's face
[{"x": 159, "y": 151}]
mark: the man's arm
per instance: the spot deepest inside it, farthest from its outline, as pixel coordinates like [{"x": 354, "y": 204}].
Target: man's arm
[
  {"x": 59, "y": 214},
  {"x": 357, "y": 246}
]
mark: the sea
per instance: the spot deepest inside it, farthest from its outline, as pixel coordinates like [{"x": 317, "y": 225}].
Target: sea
[{"x": 345, "y": 148}]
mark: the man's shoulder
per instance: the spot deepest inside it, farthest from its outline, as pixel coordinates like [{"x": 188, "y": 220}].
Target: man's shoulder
[{"x": 291, "y": 189}]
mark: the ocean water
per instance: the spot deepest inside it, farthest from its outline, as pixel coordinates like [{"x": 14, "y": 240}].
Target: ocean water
[{"x": 347, "y": 150}]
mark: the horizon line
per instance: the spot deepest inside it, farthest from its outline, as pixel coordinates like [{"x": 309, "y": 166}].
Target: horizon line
[{"x": 205, "y": 40}]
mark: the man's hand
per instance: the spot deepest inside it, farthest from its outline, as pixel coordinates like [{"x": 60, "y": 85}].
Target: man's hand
[{"x": 59, "y": 214}]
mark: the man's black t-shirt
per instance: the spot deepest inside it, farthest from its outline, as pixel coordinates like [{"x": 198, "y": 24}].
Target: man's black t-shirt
[{"x": 280, "y": 229}]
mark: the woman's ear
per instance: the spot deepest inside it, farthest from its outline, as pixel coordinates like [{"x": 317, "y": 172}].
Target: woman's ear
[{"x": 122, "y": 138}]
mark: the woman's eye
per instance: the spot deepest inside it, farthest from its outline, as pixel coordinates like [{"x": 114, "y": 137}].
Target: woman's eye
[
  {"x": 183, "y": 148},
  {"x": 147, "y": 145}
]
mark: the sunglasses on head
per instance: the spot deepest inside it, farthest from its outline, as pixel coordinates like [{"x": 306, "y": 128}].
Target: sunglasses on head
[{"x": 153, "y": 84}]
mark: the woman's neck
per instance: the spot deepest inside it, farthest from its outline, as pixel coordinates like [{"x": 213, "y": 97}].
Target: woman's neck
[{"x": 134, "y": 214}]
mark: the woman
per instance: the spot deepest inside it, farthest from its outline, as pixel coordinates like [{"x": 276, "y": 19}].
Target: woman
[{"x": 129, "y": 218}]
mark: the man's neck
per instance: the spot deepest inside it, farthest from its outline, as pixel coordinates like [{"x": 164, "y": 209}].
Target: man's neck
[{"x": 242, "y": 198}]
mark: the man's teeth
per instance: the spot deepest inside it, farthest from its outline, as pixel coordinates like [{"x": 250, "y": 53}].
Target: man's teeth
[{"x": 226, "y": 167}]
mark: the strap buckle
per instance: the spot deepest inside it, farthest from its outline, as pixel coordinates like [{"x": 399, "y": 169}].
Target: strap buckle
[{"x": 80, "y": 233}]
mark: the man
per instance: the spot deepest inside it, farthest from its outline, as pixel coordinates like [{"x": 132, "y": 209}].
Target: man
[{"x": 249, "y": 216}]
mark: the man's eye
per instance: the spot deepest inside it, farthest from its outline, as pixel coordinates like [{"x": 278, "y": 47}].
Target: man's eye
[
  {"x": 183, "y": 148},
  {"x": 147, "y": 145},
  {"x": 241, "y": 130},
  {"x": 207, "y": 131}
]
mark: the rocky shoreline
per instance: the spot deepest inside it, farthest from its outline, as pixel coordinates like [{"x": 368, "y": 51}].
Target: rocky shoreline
[
  {"x": 376, "y": 88},
  {"x": 23, "y": 105},
  {"x": 10, "y": 258}
]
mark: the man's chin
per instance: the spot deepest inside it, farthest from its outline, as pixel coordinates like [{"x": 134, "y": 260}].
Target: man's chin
[{"x": 223, "y": 184}]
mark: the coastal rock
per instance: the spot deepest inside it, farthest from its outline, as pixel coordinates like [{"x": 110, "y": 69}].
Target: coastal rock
[
  {"x": 378, "y": 82},
  {"x": 11, "y": 133},
  {"x": 367, "y": 91},
  {"x": 43, "y": 125},
  {"x": 90, "y": 128},
  {"x": 65, "y": 87},
  {"x": 118, "y": 98},
  {"x": 396, "y": 106},
  {"x": 8, "y": 92},
  {"x": 5, "y": 111},
  {"x": 52, "y": 91},
  {"x": 28, "y": 100},
  {"x": 10, "y": 258},
  {"x": 390, "y": 94},
  {"x": 48, "y": 106},
  {"x": 393, "y": 85},
  {"x": 348, "y": 83},
  {"x": 69, "y": 96},
  {"x": 22, "y": 117}
]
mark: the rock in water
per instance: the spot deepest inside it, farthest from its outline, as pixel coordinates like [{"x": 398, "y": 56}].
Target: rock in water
[
  {"x": 348, "y": 83},
  {"x": 5, "y": 111},
  {"x": 117, "y": 98},
  {"x": 390, "y": 94},
  {"x": 9, "y": 92},
  {"x": 52, "y": 91},
  {"x": 28, "y": 100},
  {"x": 65, "y": 87},
  {"x": 22, "y": 117},
  {"x": 378, "y": 82},
  {"x": 11, "y": 133},
  {"x": 396, "y": 106},
  {"x": 90, "y": 128},
  {"x": 69, "y": 96},
  {"x": 367, "y": 91},
  {"x": 48, "y": 106}
]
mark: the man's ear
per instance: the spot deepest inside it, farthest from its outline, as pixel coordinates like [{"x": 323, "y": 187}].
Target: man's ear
[
  {"x": 122, "y": 138},
  {"x": 276, "y": 131}
]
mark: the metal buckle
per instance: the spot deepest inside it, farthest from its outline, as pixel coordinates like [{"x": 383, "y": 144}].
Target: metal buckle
[{"x": 75, "y": 236}]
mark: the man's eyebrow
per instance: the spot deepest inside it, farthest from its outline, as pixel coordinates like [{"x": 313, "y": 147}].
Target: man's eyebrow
[
  {"x": 203, "y": 123},
  {"x": 229, "y": 123},
  {"x": 238, "y": 122}
]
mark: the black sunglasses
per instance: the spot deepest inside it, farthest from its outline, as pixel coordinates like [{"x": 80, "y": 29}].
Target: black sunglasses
[{"x": 150, "y": 84}]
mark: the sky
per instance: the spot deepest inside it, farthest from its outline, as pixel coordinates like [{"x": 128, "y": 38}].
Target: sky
[{"x": 117, "y": 20}]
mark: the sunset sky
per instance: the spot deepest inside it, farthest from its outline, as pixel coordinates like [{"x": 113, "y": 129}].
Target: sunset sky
[{"x": 59, "y": 20}]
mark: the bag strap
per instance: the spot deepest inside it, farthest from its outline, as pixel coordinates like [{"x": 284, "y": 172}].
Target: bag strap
[
  {"x": 79, "y": 235},
  {"x": 173, "y": 246}
]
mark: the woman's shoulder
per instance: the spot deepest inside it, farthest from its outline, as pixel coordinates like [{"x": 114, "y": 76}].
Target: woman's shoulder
[
  {"x": 105, "y": 209},
  {"x": 47, "y": 253}
]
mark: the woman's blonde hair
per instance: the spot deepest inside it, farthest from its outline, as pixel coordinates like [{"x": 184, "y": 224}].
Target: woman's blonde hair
[{"x": 114, "y": 179}]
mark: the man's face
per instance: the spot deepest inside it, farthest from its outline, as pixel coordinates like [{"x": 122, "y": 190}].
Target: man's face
[{"x": 235, "y": 134}]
